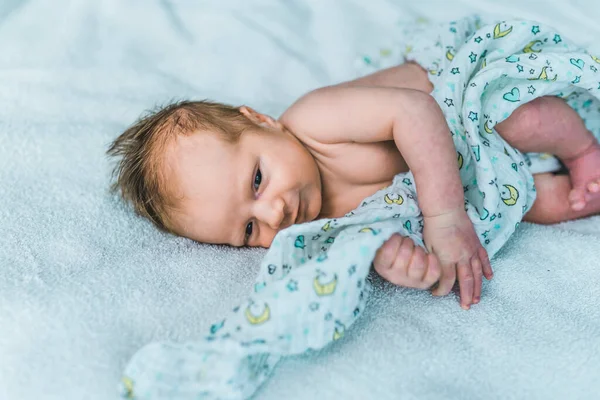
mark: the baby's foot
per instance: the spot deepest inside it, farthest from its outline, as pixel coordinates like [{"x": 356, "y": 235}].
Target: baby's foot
[{"x": 585, "y": 177}]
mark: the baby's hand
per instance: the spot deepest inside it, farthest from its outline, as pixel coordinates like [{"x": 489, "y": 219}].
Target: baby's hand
[
  {"x": 452, "y": 238},
  {"x": 404, "y": 264}
]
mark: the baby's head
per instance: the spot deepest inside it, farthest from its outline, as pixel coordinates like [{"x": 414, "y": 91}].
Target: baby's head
[{"x": 216, "y": 173}]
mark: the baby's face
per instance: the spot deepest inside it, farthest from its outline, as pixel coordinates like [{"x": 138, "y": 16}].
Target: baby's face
[{"x": 241, "y": 194}]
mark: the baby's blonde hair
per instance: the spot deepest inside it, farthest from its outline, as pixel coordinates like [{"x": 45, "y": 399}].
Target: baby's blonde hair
[{"x": 140, "y": 149}]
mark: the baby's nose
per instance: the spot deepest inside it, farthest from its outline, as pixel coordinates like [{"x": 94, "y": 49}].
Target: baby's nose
[{"x": 271, "y": 212}]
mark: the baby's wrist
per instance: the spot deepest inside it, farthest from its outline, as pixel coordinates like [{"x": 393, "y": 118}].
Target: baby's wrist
[{"x": 439, "y": 192}]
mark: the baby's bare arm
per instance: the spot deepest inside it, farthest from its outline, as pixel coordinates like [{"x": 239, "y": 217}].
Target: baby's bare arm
[{"x": 411, "y": 118}]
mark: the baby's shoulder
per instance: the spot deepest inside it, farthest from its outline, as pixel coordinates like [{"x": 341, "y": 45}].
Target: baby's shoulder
[
  {"x": 323, "y": 116},
  {"x": 301, "y": 125},
  {"x": 299, "y": 119}
]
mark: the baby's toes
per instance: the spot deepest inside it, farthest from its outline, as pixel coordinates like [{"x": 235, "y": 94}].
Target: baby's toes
[
  {"x": 577, "y": 199},
  {"x": 594, "y": 186}
]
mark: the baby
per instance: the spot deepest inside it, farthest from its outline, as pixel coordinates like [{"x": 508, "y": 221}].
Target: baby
[{"x": 231, "y": 175}]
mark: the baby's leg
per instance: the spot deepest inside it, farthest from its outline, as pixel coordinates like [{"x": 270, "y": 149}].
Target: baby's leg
[
  {"x": 549, "y": 125},
  {"x": 552, "y": 203}
]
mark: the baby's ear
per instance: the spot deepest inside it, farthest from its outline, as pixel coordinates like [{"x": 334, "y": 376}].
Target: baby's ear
[{"x": 260, "y": 119}]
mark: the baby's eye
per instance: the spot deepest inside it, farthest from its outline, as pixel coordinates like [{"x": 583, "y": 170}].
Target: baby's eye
[
  {"x": 248, "y": 230},
  {"x": 257, "y": 179}
]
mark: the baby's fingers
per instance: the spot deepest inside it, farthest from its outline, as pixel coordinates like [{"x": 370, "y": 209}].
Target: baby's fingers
[
  {"x": 434, "y": 271},
  {"x": 418, "y": 265},
  {"x": 477, "y": 278},
  {"x": 446, "y": 281},
  {"x": 466, "y": 283},
  {"x": 386, "y": 254},
  {"x": 485, "y": 264}
]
